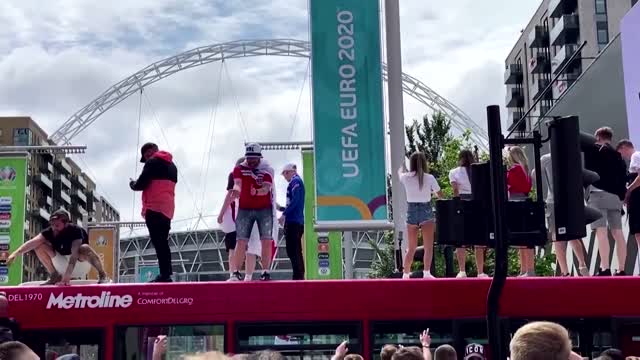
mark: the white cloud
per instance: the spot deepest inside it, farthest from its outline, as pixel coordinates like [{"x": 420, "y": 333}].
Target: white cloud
[{"x": 60, "y": 55}]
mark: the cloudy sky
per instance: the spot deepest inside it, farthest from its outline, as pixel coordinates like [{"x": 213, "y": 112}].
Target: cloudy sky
[{"x": 56, "y": 57}]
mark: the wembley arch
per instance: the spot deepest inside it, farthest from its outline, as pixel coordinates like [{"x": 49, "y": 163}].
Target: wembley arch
[{"x": 162, "y": 69}]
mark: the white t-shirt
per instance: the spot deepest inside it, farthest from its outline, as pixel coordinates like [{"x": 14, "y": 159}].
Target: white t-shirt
[
  {"x": 634, "y": 164},
  {"x": 459, "y": 176},
  {"x": 412, "y": 187}
]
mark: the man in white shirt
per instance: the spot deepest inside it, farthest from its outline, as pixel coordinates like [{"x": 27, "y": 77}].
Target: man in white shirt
[{"x": 632, "y": 197}]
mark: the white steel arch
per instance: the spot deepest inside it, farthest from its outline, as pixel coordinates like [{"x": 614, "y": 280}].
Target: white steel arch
[{"x": 238, "y": 49}]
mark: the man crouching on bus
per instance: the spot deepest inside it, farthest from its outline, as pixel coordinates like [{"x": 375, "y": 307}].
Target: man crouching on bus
[{"x": 64, "y": 251}]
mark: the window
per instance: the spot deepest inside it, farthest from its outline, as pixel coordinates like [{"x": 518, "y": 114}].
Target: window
[
  {"x": 602, "y": 33},
  {"x": 601, "y": 6},
  {"x": 54, "y": 343},
  {"x": 22, "y": 137},
  {"x": 300, "y": 340},
  {"x": 407, "y": 333},
  {"x": 136, "y": 342}
]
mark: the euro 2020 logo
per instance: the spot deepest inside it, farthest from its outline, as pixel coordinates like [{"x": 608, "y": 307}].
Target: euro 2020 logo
[{"x": 7, "y": 174}]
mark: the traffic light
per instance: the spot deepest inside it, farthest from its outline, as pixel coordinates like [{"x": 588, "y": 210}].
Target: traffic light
[{"x": 570, "y": 178}]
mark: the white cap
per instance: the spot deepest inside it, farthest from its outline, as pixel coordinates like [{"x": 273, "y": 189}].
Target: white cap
[
  {"x": 289, "y": 167},
  {"x": 253, "y": 150}
]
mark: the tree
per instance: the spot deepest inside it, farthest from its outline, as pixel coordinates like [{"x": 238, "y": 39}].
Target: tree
[{"x": 429, "y": 137}]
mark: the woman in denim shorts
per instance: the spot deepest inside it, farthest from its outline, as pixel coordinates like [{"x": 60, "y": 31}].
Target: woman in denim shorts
[{"x": 419, "y": 185}]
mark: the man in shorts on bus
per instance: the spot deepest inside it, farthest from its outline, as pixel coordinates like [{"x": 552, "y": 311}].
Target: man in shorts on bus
[
  {"x": 64, "y": 251},
  {"x": 253, "y": 187}
]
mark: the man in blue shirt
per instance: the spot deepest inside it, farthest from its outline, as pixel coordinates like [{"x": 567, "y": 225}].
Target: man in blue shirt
[{"x": 293, "y": 220}]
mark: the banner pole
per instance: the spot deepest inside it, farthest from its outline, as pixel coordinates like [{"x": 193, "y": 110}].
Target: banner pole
[{"x": 396, "y": 115}]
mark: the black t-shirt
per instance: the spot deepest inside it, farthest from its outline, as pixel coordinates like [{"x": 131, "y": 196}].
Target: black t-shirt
[
  {"x": 230, "y": 182},
  {"x": 62, "y": 242}
]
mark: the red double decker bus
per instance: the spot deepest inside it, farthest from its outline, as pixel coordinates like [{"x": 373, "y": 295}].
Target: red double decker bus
[{"x": 309, "y": 319}]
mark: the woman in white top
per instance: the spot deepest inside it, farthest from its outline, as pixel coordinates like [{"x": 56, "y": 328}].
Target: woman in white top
[
  {"x": 419, "y": 185},
  {"x": 460, "y": 181}
]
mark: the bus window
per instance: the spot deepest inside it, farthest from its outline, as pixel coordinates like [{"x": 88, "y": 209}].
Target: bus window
[
  {"x": 312, "y": 341},
  {"x": 136, "y": 342},
  {"x": 50, "y": 344},
  {"x": 407, "y": 333}
]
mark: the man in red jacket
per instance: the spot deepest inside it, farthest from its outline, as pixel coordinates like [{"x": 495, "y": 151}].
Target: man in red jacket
[{"x": 158, "y": 183}]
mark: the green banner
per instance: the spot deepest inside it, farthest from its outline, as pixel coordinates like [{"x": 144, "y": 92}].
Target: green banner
[
  {"x": 13, "y": 184},
  {"x": 347, "y": 110},
  {"x": 322, "y": 252},
  {"x": 147, "y": 273}
]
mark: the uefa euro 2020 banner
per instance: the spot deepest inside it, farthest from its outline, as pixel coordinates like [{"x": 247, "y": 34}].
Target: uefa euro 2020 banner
[
  {"x": 348, "y": 111},
  {"x": 13, "y": 183}
]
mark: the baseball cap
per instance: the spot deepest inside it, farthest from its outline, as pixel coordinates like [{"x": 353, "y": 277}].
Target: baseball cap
[
  {"x": 474, "y": 352},
  {"x": 60, "y": 214},
  {"x": 289, "y": 167},
  {"x": 253, "y": 150},
  {"x": 145, "y": 148}
]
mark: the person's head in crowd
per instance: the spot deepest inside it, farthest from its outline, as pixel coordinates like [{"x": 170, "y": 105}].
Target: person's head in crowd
[
  {"x": 211, "y": 355},
  {"x": 408, "y": 353},
  {"x": 445, "y": 352},
  {"x": 15, "y": 350},
  {"x": 466, "y": 158},
  {"x": 387, "y": 352},
  {"x": 612, "y": 354},
  {"x": 253, "y": 155},
  {"x": 542, "y": 340},
  {"x": 240, "y": 357},
  {"x": 265, "y": 355},
  {"x": 517, "y": 156},
  {"x": 474, "y": 352},
  {"x": 418, "y": 165},
  {"x": 625, "y": 148},
  {"x": 604, "y": 135},
  {"x": 353, "y": 357},
  {"x": 59, "y": 219}
]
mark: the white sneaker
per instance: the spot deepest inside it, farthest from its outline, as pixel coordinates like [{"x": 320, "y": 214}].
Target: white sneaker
[
  {"x": 235, "y": 276},
  {"x": 427, "y": 275},
  {"x": 406, "y": 275},
  {"x": 248, "y": 277},
  {"x": 461, "y": 275},
  {"x": 483, "y": 275}
]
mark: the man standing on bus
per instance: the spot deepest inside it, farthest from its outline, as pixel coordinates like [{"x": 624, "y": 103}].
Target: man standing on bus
[
  {"x": 252, "y": 186},
  {"x": 293, "y": 220},
  {"x": 158, "y": 183},
  {"x": 64, "y": 251}
]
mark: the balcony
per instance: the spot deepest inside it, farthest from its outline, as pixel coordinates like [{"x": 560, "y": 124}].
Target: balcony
[
  {"x": 540, "y": 64},
  {"x": 539, "y": 37},
  {"x": 64, "y": 196},
  {"x": 44, "y": 180},
  {"x": 81, "y": 210},
  {"x": 566, "y": 31},
  {"x": 42, "y": 213},
  {"x": 536, "y": 88},
  {"x": 63, "y": 166},
  {"x": 514, "y": 98},
  {"x": 82, "y": 181},
  {"x": 49, "y": 201},
  {"x": 80, "y": 196},
  {"x": 558, "y": 8},
  {"x": 562, "y": 56},
  {"x": 514, "y": 117},
  {"x": 562, "y": 84},
  {"x": 65, "y": 181},
  {"x": 513, "y": 74}
]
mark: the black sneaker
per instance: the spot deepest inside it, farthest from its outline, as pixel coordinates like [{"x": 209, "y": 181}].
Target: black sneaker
[
  {"x": 620, "y": 273},
  {"x": 54, "y": 278},
  {"x": 604, "y": 272},
  {"x": 103, "y": 279},
  {"x": 265, "y": 276},
  {"x": 162, "y": 279}
]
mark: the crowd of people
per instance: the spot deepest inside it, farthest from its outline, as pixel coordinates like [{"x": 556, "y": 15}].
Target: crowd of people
[
  {"x": 249, "y": 213},
  {"x": 616, "y": 189}
]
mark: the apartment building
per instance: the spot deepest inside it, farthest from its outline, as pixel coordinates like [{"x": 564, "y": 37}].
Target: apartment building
[
  {"x": 54, "y": 182},
  {"x": 553, "y": 35}
]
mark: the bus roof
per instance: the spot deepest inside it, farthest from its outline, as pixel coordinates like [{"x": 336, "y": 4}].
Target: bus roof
[{"x": 178, "y": 303}]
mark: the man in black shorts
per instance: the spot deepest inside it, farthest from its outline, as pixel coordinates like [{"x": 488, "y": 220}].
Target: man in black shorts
[{"x": 64, "y": 251}]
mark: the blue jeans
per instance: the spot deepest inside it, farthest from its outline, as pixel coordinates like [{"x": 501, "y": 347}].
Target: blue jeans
[
  {"x": 419, "y": 213},
  {"x": 247, "y": 217}
]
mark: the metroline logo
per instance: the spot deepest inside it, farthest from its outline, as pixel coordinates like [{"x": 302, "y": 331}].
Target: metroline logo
[{"x": 79, "y": 301}]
